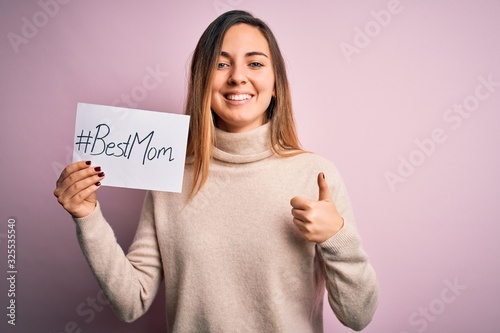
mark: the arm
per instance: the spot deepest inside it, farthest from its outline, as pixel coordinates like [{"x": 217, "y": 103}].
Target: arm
[
  {"x": 131, "y": 281},
  {"x": 350, "y": 279}
]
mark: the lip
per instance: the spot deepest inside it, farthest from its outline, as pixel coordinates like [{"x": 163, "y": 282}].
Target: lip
[{"x": 249, "y": 96}]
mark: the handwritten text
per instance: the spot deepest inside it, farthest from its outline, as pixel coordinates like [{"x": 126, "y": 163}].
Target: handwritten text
[{"x": 96, "y": 144}]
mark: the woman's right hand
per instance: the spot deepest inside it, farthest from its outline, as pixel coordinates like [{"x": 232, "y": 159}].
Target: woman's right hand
[{"x": 76, "y": 188}]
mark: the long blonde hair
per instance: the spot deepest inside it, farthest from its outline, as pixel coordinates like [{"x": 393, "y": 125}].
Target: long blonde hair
[{"x": 201, "y": 136}]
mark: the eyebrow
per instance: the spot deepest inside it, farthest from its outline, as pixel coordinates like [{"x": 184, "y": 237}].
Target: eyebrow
[{"x": 249, "y": 54}]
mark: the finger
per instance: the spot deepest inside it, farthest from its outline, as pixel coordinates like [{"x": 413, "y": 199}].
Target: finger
[
  {"x": 299, "y": 214},
  {"x": 300, "y": 203},
  {"x": 68, "y": 170},
  {"x": 77, "y": 192},
  {"x": 324, "y": 191},
  {"x": 76, "y": 207},
  {"x": 305, "y": 230},
  {"x": 300, "y": 225},
  {"x": 73, "y": 181}
]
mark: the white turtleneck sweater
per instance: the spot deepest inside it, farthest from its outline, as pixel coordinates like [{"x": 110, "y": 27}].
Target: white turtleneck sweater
[{"x": 231, "y": 258}]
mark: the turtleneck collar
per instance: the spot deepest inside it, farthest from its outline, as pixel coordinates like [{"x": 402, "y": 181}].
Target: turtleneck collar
[{"x": 244, "y": 147}]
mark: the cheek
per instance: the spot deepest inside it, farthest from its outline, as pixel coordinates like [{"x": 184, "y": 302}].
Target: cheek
[
  {"x": 215, "y": 86},
  {"x": 270, "y": 88},
  {"x": 264, "y": 85},
  {"x": 218, "y": 81},
  {"x": 270, "y": 83}
]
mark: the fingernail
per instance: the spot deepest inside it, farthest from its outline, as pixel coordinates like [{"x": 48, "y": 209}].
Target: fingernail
[
  {"x": 97, "y": 169},
  {"x": 101, "y": 174},
  {"x": 98, "y": 184},
  {"x": 88, "y": 162},
  {"x": 323, "y": 175}
]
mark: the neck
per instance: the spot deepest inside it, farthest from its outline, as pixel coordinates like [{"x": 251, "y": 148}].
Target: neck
[{"x": 244, "y": 147}]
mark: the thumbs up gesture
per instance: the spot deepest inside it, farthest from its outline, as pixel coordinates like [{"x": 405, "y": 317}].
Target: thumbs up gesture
[{"x": 317, "y": 220}]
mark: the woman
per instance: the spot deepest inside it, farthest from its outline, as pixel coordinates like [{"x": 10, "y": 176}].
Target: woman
[{"x": 261, "y": 226}]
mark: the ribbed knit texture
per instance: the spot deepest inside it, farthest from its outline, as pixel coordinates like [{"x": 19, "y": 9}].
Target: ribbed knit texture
[{"x": 231, "y": 258}]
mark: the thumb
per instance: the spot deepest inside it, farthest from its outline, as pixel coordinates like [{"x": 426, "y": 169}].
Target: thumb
[{"x": 324, "y": 191}]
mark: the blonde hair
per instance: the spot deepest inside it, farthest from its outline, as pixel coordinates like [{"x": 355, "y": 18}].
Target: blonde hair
[{"x": 201, "y": 136}]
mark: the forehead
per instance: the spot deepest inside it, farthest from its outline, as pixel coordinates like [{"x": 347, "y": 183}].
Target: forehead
[{"x": 244, "y": 38}]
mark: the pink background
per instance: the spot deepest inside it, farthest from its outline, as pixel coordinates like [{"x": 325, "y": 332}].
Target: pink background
[{"x": 436, "y": 227}]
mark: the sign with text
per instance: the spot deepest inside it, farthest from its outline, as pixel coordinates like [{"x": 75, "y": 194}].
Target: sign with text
[{"x": 135, "y": 148}]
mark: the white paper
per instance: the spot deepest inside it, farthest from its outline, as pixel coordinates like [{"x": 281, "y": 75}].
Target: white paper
[{"x": 135, "y": 148}]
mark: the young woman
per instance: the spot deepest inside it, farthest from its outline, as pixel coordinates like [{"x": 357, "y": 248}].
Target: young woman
[{"x": 261, "y": 226}]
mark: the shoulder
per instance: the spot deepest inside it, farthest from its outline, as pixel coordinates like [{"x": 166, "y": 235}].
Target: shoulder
[
  {"x": 304, "y": 169},
  {"x": 312, "y": 162}
]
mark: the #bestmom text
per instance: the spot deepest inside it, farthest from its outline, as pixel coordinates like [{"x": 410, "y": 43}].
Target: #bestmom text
[{"x": 97, "y": 145}]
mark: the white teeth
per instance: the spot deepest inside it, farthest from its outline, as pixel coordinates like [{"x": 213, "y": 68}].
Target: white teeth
[{"x": 238, "y": 97}]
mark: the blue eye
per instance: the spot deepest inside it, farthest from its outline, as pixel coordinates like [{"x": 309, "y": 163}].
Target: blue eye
[
  {"x": 221, "y": 65},
  {"x": 256, "y": 64}
]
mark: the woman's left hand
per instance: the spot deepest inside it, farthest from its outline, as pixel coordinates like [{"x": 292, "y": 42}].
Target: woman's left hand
[{"x": 317, "y": 220}]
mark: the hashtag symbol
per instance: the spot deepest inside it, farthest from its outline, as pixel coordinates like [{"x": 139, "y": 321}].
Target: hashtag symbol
[
  {"x": 11, "y": 266},
  {"x": 83, "y": 140}
]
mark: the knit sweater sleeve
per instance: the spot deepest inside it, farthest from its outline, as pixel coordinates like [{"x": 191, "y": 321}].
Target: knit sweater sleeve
[
  {"x": 130, "y": 281},
  {"x": 350, "y": 279}
]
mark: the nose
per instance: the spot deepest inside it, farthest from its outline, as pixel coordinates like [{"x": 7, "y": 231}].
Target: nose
[{"x": 237, "y": 75}]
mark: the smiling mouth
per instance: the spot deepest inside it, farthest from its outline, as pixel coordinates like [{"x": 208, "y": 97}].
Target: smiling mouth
[{"x": 239, "y": 97}]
